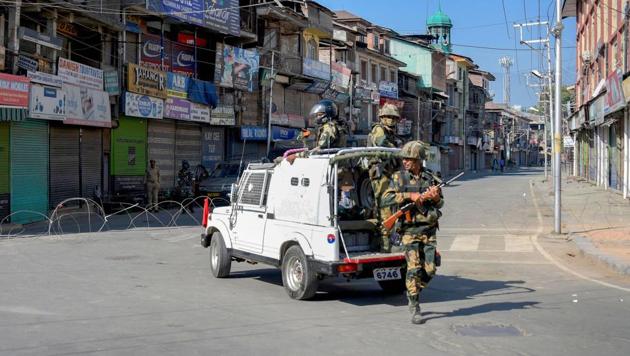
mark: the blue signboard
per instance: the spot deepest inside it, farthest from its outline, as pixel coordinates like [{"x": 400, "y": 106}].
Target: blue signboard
[
  {"x": 177, "y": 85},
  {"x": 223, "y": 16},
  {"x": 190, "y": 11},
  {"x": 283, "y": 133},
  {"x": 253, "y": 133}
]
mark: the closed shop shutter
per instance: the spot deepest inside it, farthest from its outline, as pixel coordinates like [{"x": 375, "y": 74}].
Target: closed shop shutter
[
  {"x": 29, "y": 169},
  {"x": 161, "y": 147},
  {"x": 91, "y": 161},
  {"x": 64, "y": 164},
  {"x": 4, "y": 170},
  {"x": 592, "y": 158},
  {"x": 187, "y": 145}
]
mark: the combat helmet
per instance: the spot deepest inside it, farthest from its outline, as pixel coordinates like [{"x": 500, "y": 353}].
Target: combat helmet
[
  {"x": 414, "y": 150},
  {"x": 389, "y": 115},
  {"x": 324, "y": 111}
]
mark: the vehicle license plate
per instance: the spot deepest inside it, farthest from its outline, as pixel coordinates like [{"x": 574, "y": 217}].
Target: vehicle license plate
[
  {"x": 387, "y": 274},
  {"x": 214, "y": 195}
]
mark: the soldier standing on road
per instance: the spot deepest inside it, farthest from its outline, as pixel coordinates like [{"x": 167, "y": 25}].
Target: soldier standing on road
[
  {"x": 418, "y": 230},
  {"x": 383, "y": 134},
  {"x": 330, "y": 133},
  {"x": 152, "y": 181}
]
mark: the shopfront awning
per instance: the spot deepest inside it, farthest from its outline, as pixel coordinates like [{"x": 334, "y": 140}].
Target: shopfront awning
[{"x": 13, "y": 114}]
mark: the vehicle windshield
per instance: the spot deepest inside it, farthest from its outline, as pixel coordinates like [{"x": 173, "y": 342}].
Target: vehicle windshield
[{"x": 225, "y": 170}]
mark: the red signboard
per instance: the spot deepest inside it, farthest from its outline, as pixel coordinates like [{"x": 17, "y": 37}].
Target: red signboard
[
  {"x": 614, "y": 93},
  {"x": 189, "y": 39},
  {"x": 14, "y": 90},
  {"x": 398, "y": 103}
]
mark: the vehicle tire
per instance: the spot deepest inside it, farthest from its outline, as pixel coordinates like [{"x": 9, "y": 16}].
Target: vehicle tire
[
  {"x": 220, "y": 259},
  {"x": 298, "y": 279},
  {"x": 395, "y": 286},
  {"x": 366, "y": 194}
]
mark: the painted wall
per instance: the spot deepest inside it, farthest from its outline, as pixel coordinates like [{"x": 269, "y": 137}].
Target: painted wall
[{"x": 418, "y": 59}]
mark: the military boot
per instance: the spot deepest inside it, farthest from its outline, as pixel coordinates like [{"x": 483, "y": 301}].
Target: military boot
[{"x": 416, "y": 317}]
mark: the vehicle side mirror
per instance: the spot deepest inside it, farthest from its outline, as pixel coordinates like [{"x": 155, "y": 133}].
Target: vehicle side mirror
[{"x": 233, "y": 189}]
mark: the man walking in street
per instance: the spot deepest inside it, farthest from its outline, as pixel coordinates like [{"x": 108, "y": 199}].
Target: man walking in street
[
  {"x": 418, "y": 229},
  {"x": 152, "y": 181}
]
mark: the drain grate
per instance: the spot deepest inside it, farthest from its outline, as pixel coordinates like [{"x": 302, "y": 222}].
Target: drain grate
[{"x": 487, "y": 330}]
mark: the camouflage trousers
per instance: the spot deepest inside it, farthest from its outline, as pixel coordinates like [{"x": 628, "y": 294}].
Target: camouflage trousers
[
  {"x": 420, "y": 255},
  {"x": 379, "y": 185}
]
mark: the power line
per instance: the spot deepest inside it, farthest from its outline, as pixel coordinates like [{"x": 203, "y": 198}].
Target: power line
[{"x": 507, "y": 29}]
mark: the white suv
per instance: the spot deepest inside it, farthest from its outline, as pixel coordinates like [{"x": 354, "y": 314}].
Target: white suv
[{"x": 288, "y": 215}]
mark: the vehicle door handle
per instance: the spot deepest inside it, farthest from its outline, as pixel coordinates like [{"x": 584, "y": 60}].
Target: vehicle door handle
[{"x": 260, "y": 216}]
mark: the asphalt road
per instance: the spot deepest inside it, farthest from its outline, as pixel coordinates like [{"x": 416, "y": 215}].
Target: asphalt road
[{"x": 504, "y": 288}]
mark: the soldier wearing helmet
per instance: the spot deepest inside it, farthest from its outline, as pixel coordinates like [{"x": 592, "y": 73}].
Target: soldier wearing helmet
[
  {"x": 330, "y": 132},
  {"x": 384, "y": 135},
  {"x": 414, "y": 184}
]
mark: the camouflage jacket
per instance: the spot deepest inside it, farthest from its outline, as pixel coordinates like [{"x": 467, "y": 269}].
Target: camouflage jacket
[
  {"x": 380, "y": 136},
  {"x": 424, "y": 219},
  {"x": 330, "y": 135}
]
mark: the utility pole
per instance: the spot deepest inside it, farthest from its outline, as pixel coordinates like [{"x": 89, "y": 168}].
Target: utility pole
[
  {"x": 271, "y": 80},
  {"x": 557, "y": 143}
]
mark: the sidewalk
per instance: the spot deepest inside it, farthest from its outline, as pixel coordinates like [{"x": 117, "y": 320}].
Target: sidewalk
[{"x": 597, "y": 220}]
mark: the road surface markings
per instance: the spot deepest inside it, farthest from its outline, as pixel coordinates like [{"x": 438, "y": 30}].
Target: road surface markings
[
  {"x": 551, "y": 259},
  {"x": 518, "y": 243},
  {"x": 465, "y": 243}
]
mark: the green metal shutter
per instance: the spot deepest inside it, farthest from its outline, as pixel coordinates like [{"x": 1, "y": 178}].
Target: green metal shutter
[
  {"x": 64, "y": 164},
  {"x": 161, "y": 146},
  {"x": 4, "y": 170},
  {"x": 91, "y": 160},
  {"x": 29, "y": 169}
]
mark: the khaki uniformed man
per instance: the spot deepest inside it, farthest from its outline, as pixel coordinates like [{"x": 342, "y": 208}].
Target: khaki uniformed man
[
  {"x": 383, "y": 134},
  {"x": 152, "y": 180},
  {"x": 415, "y": 185}
]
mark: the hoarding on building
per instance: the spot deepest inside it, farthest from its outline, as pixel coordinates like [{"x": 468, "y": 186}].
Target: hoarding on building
[
  {"x": 388, "y": 89},
  {"x": 47, "y": 103},
  {"x": 27, "y": 63},
  {"x": 151, "y": 53},
  {"x": 236, "y": 67},
  {"x": 223, "y": 115},
  {"x": 253, "y": 133},
  {"x": 283, "y": 133},
  {"x": 87, "y": 106},
  {"x": 143, "y": 106},
  {"x": 177, "y": 85},
  {"x": 79, "y": 74},
  {"x": 614, "y": 93},
  {"x": 340, "y": 75},
  {"x": 596, "y": 111},
  {"x": 199, "y": 113},
  {"x": 316, "y": 69},
  {"x": 175, "y": 108},
  {"x": 110, "y": 77},
  {"x": 41, "y": 39},
  {"x": 45, "y": 79},
  {"x": 147, "y": 81},
  {"x": 14, "y": 90},
  {"x": 190, "y": 11},
  {"x": 212, "y": 149},
  {"x": 183, "y": 59},
  {"x": 223, "y": 16}
]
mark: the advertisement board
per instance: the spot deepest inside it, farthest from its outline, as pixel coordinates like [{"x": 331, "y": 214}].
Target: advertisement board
[
  {"x": 143, "y": 106},
  {"x": 223, "y": 115},
  {"x": 45, "y": 79},
  {"x": 283, "y": 133},
  {"x": 388, "y": 89},
  {"x": 87, "y": 106},
  {"x": 147, "y": 81},
  {"x": 614, "y": 93},
  {"x": 223, "y": 16},
  {"x": 236, "y": 67},
  {"x": 110, "y": 77},
  {"x": 177, "y": 85},
  {"x": 79, "y": 74},
  {"x": 175, "y": 108},
  {"x": 199, "y": 112},
  {"x": 253, "y": 133},
  {"x": 182, "y": 59},
  {"x": 340, "y": 75},
  {"x": 212, "y": 149},
  {"x": 190, "y": 11},
  {"x": 151, "y": 52},
  {"x": 316, "y": 69},
  {"x": 47, "y": 103},
  {"x": 14, "y": 90}
]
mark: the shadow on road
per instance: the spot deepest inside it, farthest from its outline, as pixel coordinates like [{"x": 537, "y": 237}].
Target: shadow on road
[
  {"x": 365, "y": 292},
  {"x": 480, "y": 309}
]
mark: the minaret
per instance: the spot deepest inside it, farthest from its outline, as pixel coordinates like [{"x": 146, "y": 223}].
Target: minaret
[{"x": 439, "y": 26}]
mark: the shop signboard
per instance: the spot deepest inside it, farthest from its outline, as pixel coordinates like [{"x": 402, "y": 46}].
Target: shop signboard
[
  {"x": 399, "y": 103},
  {"x": 283, "y": 133},
  {"x": 110, "y": 77},
  {"x": 614, "y": 93},
  {"x": 316, "y": 69},
  {"x": 596, "y": 111},
  {"x": 279, "y": 119},
  {"x": 253, "y": 133},
  {"x": 223, "y": 115},
  {"x": 72, "y": 72},
  {"x": 388, "y": 89},
  {"x": 236, "y": 67},
  {"x": 147, "y": 81},
  {"x": 183, "y": 59},
  {"x": 14, "y": 91},
  {"x": 45, "y": 79},
  {"x": 143, "y": 106},
  {"x": 318, "y": 87},
  {"x": 223, "y": 16},
  {"x": 340, "y": 75},
  {"x": 175, "y": 108},
  {"x": 626, "y": 88},
  {"x": 27, "y": 63},
  {"x": 47, "y": 103},
  {"x": 41, "y": 39},
  {"x": 87, "y": 106},
  {"x": 212, "y": 149},
  {"x": 152, "y": 54},
  {"x": 177, "y": 85},
  {"x": 199, "y": 112},
  {"x": 189, "y": 11}
]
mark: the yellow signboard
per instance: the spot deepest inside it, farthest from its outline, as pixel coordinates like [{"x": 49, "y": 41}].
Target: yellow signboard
[
  {"x": 626, "y": 88},
  {"x": 146, "y": 81}
]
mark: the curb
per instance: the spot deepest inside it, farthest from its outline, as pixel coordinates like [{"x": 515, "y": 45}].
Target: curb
[{"x": 588, "y": 249}]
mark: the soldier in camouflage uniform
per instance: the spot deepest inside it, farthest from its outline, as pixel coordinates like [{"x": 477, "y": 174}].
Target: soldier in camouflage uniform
[
  {"x": 415, "y": 184},
  {"x": 383, "y": 134},
  {"x": 330, "y": 133}
]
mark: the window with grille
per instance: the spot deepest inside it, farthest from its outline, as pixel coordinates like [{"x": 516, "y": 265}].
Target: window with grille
[{"x": 252, "y": 190}]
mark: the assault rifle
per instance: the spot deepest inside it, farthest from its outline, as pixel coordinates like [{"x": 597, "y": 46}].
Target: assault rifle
[{"x": 406, "y": 209}]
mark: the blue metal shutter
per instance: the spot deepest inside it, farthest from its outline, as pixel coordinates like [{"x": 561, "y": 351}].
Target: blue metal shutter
[
  {"x": 29, "y": 169},
  {"x": 64, "y": 163}
]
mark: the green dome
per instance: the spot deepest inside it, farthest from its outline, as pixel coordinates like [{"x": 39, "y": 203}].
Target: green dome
[{"x": 439, "y": 19}]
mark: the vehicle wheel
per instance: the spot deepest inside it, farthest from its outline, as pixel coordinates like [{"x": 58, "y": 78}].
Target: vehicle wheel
[
  {"x": 220, "y": 260},
  {"x": 395, "y": 286},
  {"x": 366, "y": 194},
  {"x": 298, "y": 279}
]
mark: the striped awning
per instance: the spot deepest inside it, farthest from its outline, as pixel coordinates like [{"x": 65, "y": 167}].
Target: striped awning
[{"x": 13, "y": 114}]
